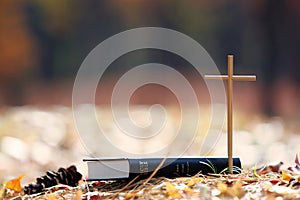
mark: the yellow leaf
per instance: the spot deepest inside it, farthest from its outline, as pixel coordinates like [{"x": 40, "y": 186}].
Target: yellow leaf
[
  {"x": 131, "y": 195},
  {"x": 285, "y": 176},
  {"x": 237, "y": 190},
  {"x": 2, "y": 192},
  {"x": 222, "y": 187},
  {"x": 234, "y": 191},
  {"x": 15, "y": 184},
  {"x": 78, "y": 195},
  {"x": 188, "y": 190},
  {"x": 271, "y": 198},
  {"x": 194, "y": 181},
  {"x": 172, "y": 190},
  {"x": 51, "y": 196}
]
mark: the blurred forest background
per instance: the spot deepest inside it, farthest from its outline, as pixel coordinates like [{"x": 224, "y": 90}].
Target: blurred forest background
[{"x": 43, "y": 43}]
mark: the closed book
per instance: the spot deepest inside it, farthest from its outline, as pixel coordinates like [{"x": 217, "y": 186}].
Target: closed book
[{"x": 128, "y": 168}]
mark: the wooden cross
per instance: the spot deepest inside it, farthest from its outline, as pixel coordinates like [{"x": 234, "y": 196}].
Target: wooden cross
[{"x": 230, "y": 77}]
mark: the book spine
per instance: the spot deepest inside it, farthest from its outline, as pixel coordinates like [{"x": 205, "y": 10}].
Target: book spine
[{"x": 179, "y": 167}]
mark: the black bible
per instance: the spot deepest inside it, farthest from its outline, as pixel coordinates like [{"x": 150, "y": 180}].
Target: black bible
[{"x": 128, "y": 168}]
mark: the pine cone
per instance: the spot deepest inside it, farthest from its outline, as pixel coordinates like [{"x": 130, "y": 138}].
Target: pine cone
[{"x": 68, "y": 176}]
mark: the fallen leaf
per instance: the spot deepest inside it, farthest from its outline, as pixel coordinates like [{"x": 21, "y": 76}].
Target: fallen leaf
[
  {"x": 286, "y": 176},
  {"x": 275, "y": 168},
  {"x": 188, "y": 190},
  {"x": 91, "y": 196},
  {"x": 79, "y": 195},
  {"x": 235, "y": 190},
  {"x": 295, "y": 169},
  {"x": 172, "y": 191},
  {"x": 274, "y": 181},
  {"x": 132, "y": 195},
  {"x": 269, "y": 168},
  {"x": 51, "y": 196},
  {"x": 297, "y": 162},
  {"x": 281, "y": 190},
  {"x": 271, "y": 198},
  {"x": 15, "y": 184},
  {"x": 222, "y": 187},
  {"x": 194, "y": 181},
  {"x": 2, "y": 191}
]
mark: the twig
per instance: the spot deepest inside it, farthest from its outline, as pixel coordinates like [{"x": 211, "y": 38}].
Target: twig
[
  {"x": 126, "y": 186},
  {"x": 155, "y": 171}
]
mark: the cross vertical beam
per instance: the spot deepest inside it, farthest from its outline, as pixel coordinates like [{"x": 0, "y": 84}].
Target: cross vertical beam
[
  {"x": 230, "y": 77},
  {"x": 229, "y": 112}
]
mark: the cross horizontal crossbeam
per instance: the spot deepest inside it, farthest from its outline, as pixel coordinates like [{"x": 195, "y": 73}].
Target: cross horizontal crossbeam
[{"x": 234, "y": 77}]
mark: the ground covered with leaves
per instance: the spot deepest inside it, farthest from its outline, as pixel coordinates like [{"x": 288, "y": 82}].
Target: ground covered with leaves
[
  {"x": 268, "y": 182},
  {"x": 35, "y": 140}
]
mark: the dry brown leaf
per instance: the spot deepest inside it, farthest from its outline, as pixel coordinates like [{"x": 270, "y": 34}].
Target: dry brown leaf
[
  {"x": 91, "y": 196},
  {"x": 237, "y": 189},
  {"x": 234, "y": 191},
  {"x": 274, "y": 181},
  {"x": 269, "y": 168},
  {"x": 296, "y": 169}
]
